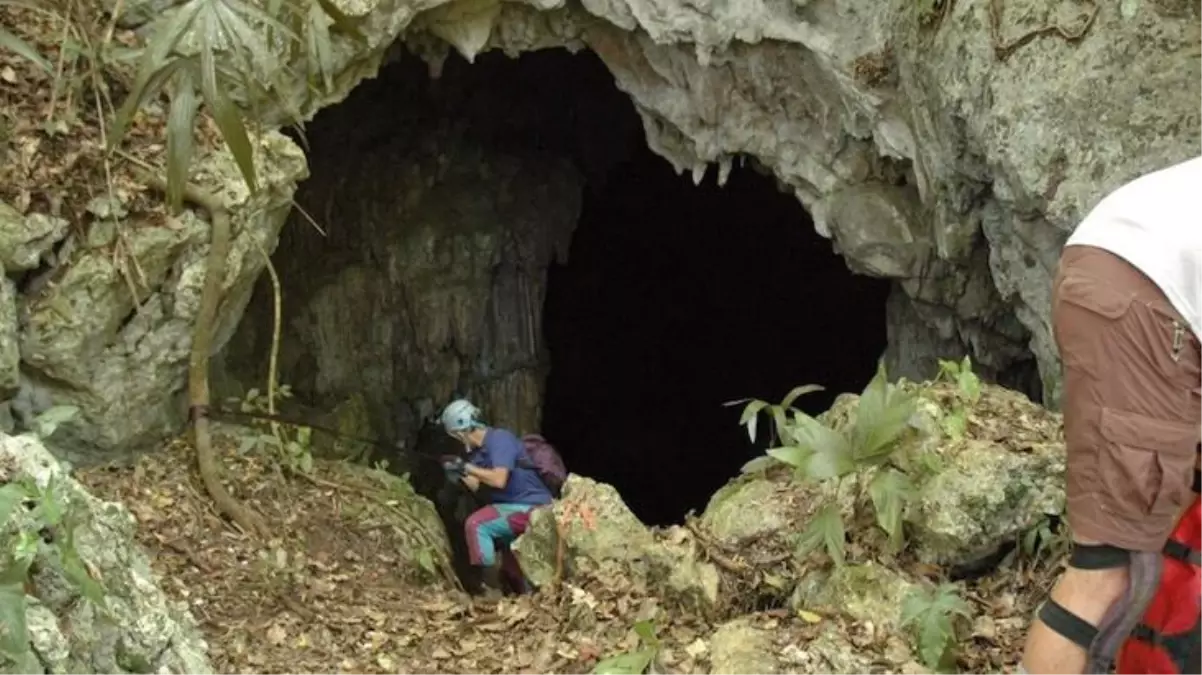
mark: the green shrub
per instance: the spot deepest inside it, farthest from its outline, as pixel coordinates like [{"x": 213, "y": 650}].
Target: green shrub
[{"x": 821, "y": 453}]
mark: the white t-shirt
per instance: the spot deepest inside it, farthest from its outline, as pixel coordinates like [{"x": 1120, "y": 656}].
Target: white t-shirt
[{"x": 1155, "y": 224}]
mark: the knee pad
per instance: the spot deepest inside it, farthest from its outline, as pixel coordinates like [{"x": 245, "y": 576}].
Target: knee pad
[{"x": 1102, "y": 642}]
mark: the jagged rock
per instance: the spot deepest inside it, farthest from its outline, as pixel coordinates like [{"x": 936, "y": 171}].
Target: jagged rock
[
  {"x": 603, "y": 538},
  {"x": 24, "y": 239},
  {"x": 86, "y": 342},
  {"x": 138, "y": 630},
  {"x": 738, "y": 648}
]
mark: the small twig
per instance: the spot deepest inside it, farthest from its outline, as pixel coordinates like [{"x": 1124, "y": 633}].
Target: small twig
[
  {"x": 295, "y": 607},
  {"x": 711, "y": 549},
  {"x": 296, "y": 205},
  {"x": 182, "y": 550}
]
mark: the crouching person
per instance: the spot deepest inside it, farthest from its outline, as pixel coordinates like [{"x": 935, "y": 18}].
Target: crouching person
[
  {"x": 494, "y": 462},
  {"x": 1126, "y": 315}
]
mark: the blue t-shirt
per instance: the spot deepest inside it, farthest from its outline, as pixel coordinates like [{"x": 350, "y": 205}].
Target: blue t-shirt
[{"x": 502, "y": 448}]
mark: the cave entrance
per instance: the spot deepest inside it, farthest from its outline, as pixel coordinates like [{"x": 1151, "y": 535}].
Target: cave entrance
[
  {"x": 677, "y": 298},
  {"x": 503, "y": 232}
]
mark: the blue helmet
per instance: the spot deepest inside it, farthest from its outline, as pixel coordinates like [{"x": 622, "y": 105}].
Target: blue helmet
[{"x": 460, "y": 415}]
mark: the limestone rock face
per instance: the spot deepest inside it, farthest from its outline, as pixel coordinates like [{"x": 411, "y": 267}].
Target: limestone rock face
[
  {"x": 948, "y": 146},
  {"x": 83, "y": 339},
  {"x": 136, "y": 628}
]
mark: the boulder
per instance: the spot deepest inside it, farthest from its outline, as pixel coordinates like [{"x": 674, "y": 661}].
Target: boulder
[
  {"x": 91, "y": 603},
  {"x": 602, "y": 539}
]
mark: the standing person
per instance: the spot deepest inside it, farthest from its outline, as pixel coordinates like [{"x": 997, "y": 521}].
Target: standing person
[
  {"x": 1126, "y": 315},
  {"x": 516, "y": 490}
]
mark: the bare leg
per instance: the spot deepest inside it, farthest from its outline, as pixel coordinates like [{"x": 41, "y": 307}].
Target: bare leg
[{"x": 1086, "y": 593}]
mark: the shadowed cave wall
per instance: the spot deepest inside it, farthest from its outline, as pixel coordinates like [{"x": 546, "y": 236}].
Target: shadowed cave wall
[{"x": 503, "y": 232}]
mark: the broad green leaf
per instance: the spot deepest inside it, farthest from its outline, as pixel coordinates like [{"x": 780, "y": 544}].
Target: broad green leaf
[
  {"x": 11, "y": 496},
  {"x": 931, "y": 616},
  {"x": 425, "y": 560},
  {"x": 778, "y": 416},
  {"x": 970, "y": 384},
  {"x": 948, "y": 601},
  {"x": 14, "y": 634},
  {"x": 796, "y": 392},
  {"x": 882, "y": 416},
  {"x": 830, "y": 456},
  {"x": 75, "y": 570},
  {"x": 49, "y": 420},
  {"x": 955, "y": 424},
  {"x": 825, "y": 530},
  {"x": 50, "y": 510},
  {"x": 248, "y": 443},
  {"x": 306, "y": 462},
  {"x": 645, "y": 629},
  {"x": 761, "y": 463},
  {"x": 948, "y": 369},
  {"x": 228, "y": 119},
  {"x": 890, "y": 489},
  {"x": 630, "y": 663},
  {"x": 751, "y": 416},
  {"x": 181, "y": 124},
  {"x": 24, "y": 50},
  {"x": 791, "y": 455}
]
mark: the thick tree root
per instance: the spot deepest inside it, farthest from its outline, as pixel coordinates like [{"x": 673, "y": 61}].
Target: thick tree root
[{"x": 198, "y": 363}]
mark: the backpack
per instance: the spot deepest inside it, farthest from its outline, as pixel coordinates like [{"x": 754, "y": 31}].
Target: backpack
[
  {"x": 544, "y": 460},
  {"x": 1167, "y": 640}
]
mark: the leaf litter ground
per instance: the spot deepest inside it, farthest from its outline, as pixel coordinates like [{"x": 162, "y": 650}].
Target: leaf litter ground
[
  {"x": 329, "y": 598},
  {"x": 327, "y": 594}
]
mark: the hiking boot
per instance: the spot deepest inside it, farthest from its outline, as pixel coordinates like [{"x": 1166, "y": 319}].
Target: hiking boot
[{"x": 491, "y": 583}]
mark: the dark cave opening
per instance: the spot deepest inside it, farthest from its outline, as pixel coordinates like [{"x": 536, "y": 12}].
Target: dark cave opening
[
  {"x": 677, "y": 298},
  {"x": 674, "y": 297}
]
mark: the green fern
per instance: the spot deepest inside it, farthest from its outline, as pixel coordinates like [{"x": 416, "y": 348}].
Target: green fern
[{"x": 934, "y": 618}]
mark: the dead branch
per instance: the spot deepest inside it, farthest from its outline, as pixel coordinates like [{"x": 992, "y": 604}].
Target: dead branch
[{"x": 198, "y": 363}]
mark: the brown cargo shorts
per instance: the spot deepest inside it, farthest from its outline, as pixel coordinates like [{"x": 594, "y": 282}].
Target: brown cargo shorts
[{"x": 1131, "y": 401}]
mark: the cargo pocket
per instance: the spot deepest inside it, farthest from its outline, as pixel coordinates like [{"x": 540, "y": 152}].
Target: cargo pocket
[
  {"x": 1146, "y": 463},
  {"x": 1084, "y": 307}
]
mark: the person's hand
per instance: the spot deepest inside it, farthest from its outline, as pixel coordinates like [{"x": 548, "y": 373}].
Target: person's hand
[{"x": 453, "y": 467}]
